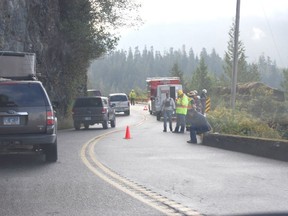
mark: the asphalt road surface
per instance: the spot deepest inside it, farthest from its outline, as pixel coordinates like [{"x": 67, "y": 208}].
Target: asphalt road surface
[{"x": 100, "y": 172}]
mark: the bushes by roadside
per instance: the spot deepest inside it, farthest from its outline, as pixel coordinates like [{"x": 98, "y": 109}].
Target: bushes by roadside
[{"x": 227, "y": 121}]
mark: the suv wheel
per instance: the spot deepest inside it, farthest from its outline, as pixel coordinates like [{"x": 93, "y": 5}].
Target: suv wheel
[
  {"x": 51, "y": 152},
  {"x": 113, "y": 123},
  {"x": 86, "y": 125},
  {"x": 105, "y": 124},
  {"x": 77, "y": 125}
]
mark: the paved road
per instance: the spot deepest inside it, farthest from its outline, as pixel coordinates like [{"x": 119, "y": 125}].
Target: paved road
[
  {"x": 153, "y": 173},
  {"x": 31, "y": 187},
  {"x": 209, "y": 180}
]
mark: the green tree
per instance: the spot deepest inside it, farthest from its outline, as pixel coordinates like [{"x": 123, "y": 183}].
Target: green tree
[
  {"x": 86, "y": 28},
  {"x": 176, "y": 72},
  {"x": 253, "y": 73},
  {"x": 226, "y": 78},
  {"x": 201, "y": 78}
]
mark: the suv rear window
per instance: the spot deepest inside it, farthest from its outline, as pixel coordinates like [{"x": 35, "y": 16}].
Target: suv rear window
[
  {"x": 88, "y": 102},
  {"x": 118, "y": 98},
  {"x": 21, "y": 95}
]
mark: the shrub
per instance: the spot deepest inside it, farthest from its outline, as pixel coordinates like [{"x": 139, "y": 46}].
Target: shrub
[{"x": 227, "y": 121}]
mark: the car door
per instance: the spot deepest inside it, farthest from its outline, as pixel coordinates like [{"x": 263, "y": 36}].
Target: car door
[{"x": 110, "y": 110}]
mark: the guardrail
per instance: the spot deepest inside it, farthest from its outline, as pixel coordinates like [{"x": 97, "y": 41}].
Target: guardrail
[{"x": 269, "y": 148}]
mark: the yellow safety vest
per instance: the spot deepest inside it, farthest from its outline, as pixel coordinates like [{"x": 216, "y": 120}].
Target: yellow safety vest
[{"x": 182, "y": 105}]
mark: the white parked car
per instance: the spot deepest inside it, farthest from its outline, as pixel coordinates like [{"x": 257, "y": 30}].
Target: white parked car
[{"x": 120, "y": 103}]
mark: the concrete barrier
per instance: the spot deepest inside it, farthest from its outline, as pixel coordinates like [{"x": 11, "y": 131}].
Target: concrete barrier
[{"x": 275, "y": 149}]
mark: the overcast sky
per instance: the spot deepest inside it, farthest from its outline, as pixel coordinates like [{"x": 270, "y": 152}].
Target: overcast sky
[{"x": 201, "y": 24}]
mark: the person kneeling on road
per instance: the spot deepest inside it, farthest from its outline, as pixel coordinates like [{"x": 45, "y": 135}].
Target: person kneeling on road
[{"x": 198, "y": 125}]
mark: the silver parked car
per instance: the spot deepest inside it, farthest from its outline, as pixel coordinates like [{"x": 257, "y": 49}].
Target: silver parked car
[{"x": 120, "y": 102}]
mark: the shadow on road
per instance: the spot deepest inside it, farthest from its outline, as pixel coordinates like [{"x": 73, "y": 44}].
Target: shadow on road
[{"x": 22, "y": 161}]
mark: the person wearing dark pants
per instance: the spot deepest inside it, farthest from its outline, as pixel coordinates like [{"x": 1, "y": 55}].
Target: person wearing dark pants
[
  {"x": 181, "y": 111},
  {"x": 198, "y": 125},
  {"x": 132, "y": 96},
  {"x": 167, "y": 108}
]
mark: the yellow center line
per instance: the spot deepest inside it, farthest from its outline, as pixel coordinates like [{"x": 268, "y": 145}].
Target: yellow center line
[
  {"x": 108, "y": 180},
  {"x": 87, "y": 151}
]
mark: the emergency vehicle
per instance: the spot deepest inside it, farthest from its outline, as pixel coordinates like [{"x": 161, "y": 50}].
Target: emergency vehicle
[{"x": 157, "y": 87}]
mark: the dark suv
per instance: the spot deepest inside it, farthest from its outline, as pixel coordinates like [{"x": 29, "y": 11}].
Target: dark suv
[
  {"x": 27, "y": 119},
  {"x": 93, "y": 110}
]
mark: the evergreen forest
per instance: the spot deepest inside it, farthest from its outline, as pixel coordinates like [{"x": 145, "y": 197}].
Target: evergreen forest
[{"x": 121, "y": 70}]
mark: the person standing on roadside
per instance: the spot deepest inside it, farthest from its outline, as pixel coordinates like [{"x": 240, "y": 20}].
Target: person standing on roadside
[
  {"x": 181, "y": 111},
  {"x": 167, "y": 108},
  {"x": 191, "y": 105},
  {"x": 132, "y": 96}
]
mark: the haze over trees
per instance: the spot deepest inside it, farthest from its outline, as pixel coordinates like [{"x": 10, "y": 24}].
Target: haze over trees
[{"x": 122, "y": 70}]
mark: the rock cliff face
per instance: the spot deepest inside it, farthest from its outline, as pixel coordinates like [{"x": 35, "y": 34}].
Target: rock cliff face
[
  {"x": 29, "y": 25},
  {"x": 33, "y": 26}
]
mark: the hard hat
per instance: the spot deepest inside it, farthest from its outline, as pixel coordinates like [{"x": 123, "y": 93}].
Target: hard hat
[
  {"x": 191, "y": 93},
  {"x": 204, "y": 90},
  {"x": 180, "y": 92}
]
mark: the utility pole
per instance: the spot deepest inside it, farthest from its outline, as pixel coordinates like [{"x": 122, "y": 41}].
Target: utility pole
[{"x": 235, "y": 56}]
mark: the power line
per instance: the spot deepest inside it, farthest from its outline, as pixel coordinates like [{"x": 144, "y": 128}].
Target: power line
[{"x": 272, "y": 35}]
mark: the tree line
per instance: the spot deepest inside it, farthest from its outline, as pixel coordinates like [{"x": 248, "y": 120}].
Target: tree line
[{"x": 122, "y": 70}]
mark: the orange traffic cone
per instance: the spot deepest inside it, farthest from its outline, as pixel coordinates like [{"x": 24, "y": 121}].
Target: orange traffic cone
[{"x": 127, "y": 135}]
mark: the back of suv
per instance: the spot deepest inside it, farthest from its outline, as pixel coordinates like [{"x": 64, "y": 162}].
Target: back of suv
[
  {"x": 92, "y": 110},
  {"x": 120, "y": 102},
  {"x": 27, "y": 119}
]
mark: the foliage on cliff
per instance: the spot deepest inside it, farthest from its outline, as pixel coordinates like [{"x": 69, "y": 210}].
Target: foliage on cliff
[{"x": 65, "y": 35}]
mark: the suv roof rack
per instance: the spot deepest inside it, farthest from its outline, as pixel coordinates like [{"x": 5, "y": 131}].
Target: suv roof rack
[{"x": 17, "y": 65}]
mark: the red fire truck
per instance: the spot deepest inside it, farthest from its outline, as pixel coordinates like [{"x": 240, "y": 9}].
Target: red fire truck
[{"x": 157, "y": 87}]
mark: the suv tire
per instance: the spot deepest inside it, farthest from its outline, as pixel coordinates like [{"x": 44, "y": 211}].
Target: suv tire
[
  {"x": 86, "y": 126},
  {"x": 51, "y": 152},
  {"x": 105, "y": 124},
  {"x": 77, "y": 125},
  {"x": 113, "y": 123}
]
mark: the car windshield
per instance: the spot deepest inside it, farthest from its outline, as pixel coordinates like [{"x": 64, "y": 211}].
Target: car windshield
[
  {"x": 88, "y": 102},
  {"x": 118, "y": 98},
  {"x": 21, "y": 95}
]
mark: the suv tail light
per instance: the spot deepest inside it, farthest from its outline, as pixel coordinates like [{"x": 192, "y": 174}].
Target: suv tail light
[
  {"x": 50, "y": 118},
  {"x": 104, "y": 110}
]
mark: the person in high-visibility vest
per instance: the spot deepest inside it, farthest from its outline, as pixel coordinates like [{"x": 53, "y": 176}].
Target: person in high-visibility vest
[
  {"x": 181, "y": 111},
  {"x": 191, "y": 105},
  {"x": 132, "y": 96}
]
